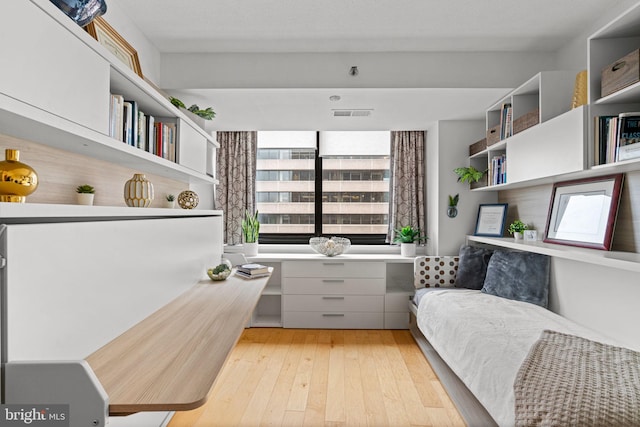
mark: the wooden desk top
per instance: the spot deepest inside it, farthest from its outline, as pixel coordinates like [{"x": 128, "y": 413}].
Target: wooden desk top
[{"x": 170, "y": 360}]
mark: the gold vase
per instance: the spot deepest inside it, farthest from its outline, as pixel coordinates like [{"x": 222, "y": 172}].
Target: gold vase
[
  {"x": 138, "y": 191},
  {"x": 17, "y": 180},
  {"x": 580, "y": 90}
]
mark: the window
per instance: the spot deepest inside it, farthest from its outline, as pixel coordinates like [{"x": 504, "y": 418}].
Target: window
[{"x": 343, "y": 191}]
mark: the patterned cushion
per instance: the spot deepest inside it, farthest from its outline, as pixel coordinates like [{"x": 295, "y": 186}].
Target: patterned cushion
[{"x": 435, "y": 271}]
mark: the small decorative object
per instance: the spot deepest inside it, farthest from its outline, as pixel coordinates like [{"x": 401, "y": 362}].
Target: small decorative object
[
  {"x": 221, "y": 272},
  {"x": 583, "y": 212},
  {"x": 516, "y": 228},
  {"x": 17, "y": 180},
  {"x": 207, "y": 113},
  {"x": 138, "y": 191},
  {"x": 84, "y": 194},
  {"x": 169, "y": 201},
  {"x": 452, "y": 210},
  {"x": 330, "y": 247},
  {"x": 580, "y": 90},
  {"x": 82, "y": 11},
  {"x": 250, "y": 233},
  {"x": 407, "y": 236},
  {"x": 188, "y": 199},
  {"x": 491, "y": 219},
  {"x": 530, "y": 235},
  {"x": 108, "y": 37},
  {"x": 468, "y": 174}
]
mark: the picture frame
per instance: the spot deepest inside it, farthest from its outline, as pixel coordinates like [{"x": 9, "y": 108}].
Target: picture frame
[
  {"x": 108, "y": 37},
  {"x": 491, "y": 219},
  {"x": 583, "y": 212}
]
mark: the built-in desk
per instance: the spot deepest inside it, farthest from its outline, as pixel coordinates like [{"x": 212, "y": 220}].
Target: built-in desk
[{"x": 170, "y": 360}]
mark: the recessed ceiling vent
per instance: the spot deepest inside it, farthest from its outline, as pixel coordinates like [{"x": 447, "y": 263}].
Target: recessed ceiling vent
[{"x": 351, "y": 113}]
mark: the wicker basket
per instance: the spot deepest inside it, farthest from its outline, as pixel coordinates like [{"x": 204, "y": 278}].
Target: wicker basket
[
  {"x": 478, "y": 146},
  {"x": 493, "y": 135},
  {"x": 527, "y": 120}
]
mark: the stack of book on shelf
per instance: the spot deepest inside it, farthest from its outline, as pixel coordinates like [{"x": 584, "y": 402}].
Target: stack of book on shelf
[
  {"x": 616, "y": 138},
  {"x": 127, "y": 123},
  {"x": 498, "y": 170},
  {"x": 506, "y": 129},
  {"x": 252, "y": 271}
]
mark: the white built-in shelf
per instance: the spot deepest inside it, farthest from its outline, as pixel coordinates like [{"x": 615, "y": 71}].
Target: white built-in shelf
[
  {"x": 623, "y": 260},
  {"x": 627, "y": 95},
  {"x": 42, "y": 212},
  {"x": 267, "y": 320},
  {"x": 279, "y": 257}
]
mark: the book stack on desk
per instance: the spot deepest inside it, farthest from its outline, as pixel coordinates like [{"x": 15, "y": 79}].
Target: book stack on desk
[{"x": 252, "y": 271}]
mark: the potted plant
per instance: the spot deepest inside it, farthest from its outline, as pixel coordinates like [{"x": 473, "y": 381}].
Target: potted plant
[
  {"x": 407, "y": 236},
  {"x": 84, "y": 194},
  {"x": 169, "y": 201},
  {"x": 250, "y": 232},
  {"x": 516, "y": 228},
  {"x": 452, "y": 210},
  {"x": 469, "y": 174}
]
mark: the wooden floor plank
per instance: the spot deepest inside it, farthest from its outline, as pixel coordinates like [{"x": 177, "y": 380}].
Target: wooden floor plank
[{"x": 330, "y": 378}]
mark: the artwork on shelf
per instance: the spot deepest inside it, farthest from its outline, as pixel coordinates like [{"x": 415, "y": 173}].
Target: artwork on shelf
[
  {"x": 108, "y": 37},
  {"x": 491, "y": 219},
  {"x": 583, "y": 212}
]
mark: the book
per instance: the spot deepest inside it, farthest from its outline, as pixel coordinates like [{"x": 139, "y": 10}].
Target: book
[
  {"x": 133, "y": 128},
  {"x": 250, "y": 276},
  {"x": 127, "y": 125},
  {"x": 252, "y": 269},
  {"x": 628, "y": 136}
]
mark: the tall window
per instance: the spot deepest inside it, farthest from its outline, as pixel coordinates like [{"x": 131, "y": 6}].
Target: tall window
[{"x": 323, "y": 183}]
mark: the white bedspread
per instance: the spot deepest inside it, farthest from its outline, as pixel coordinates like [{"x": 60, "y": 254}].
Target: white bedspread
[{"x": 484, "y": 339}]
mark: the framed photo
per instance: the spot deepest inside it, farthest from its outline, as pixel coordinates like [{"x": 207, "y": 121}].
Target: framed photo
[
  {"x": 583, "y": 212},
  {"x": 108, "y": 37},
  {"x": 491, "y": 219}
]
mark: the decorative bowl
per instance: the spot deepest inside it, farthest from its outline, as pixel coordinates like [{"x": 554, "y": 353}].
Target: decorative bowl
[
  {"x": 217, "y": 277},
  {"x": 330, "y": 247}
]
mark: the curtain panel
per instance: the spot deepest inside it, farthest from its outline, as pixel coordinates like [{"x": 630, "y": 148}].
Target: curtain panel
[
  {"x": 236, "y": 171},
  {"x": 407, "y": 181}
]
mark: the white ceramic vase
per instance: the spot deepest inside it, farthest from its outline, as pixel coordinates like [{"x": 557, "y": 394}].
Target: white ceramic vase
[
  {"x": 138, "y": 191},
  {"x": 85, "y": 199},
  {"x": 250, "y": 249},
  {"x": 408, "y": 249}
]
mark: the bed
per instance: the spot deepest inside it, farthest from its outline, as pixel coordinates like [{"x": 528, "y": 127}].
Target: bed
[{"x": 482, "y": 348}]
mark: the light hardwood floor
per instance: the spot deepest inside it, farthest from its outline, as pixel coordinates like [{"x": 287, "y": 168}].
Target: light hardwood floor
[{"x": 297, "y": 377}]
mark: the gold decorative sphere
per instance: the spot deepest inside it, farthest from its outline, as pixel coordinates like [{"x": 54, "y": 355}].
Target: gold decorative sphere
[
  {"x": 17, "y": 180},
  {"x": 188, "y": 199}
]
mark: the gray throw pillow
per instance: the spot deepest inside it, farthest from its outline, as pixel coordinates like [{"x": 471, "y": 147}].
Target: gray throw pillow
[
  {"x": 522, "y": 276},
  {"x": 472, "y": 267}
]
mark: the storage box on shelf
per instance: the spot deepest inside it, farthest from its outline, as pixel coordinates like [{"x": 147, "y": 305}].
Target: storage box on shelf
[{"x": 67, "y": 107}]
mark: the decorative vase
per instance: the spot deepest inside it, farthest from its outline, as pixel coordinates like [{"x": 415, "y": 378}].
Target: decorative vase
[
  {"x": 580, "y": 90},
  {"x": 250, "y": 249},
  {"x": 82, "y": 12},
  {"x": 517, "y": 235},
  {"x": 17, "y": 180},
  {"x": 452, "y": 211},
  {"x": 138, "y": 191},
  {"x": 188, "y": 199},
  {"x": 408, "y": 249},
  {"x": 85, "y": 199}
]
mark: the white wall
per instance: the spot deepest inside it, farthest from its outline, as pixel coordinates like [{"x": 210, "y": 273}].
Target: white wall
[{"x": 448, "y": 148}]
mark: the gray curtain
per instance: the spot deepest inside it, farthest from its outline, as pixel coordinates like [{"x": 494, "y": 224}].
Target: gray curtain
[
  {"x": 236, "y": 171},
  {"x": 406, "y": 193}
]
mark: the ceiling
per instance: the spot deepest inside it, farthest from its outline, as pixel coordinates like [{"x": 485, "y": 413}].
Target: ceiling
[{"x": 343, "y": 26}]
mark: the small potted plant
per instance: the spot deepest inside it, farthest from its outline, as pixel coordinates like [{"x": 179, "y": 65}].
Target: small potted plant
[
  {"x": 84, "y": 194},
  {"x": 468, "y": 174},
  {"x": 452, "y": 210},
  {"x": 516, "y": 228},
  {"x": 407, "y": 236},
  {"x": 250, "y": 233},
  {"x": 169, "y": 201}
]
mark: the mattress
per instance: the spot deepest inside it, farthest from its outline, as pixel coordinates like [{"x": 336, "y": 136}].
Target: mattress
[{"x": 484, "y": 339}]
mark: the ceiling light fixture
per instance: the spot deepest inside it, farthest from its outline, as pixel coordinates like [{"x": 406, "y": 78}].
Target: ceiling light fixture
[
  {"x": 334, "y": 98},
  {"x": 354, "y": 71}
]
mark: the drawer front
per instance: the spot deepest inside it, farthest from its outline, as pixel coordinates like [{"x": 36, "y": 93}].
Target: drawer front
[
  {"x": 397, "y": 302},
  {"x": 332, "y": 320},
  {"x": 333, "y": 268},
  {"x": 622, "y": 73},
  {"x": 333, "y": 303},
  {"x": 396, "y": 320},
  {"x": 332, "y": 286}
]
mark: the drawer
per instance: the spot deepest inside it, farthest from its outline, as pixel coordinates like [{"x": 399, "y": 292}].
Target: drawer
[
  {"x": 622, "y": 73},
  {"x": 333, "y": 303},
  {"x": 397, "y": 302},
  {"x": 332, "y": 286},
  {"x": 396, "y": 320},
  {"x": 334, "y": 268},
  {"x": 332, "y": 320}
]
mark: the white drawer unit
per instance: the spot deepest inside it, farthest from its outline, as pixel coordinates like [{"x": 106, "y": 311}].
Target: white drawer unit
[{"x": 333, "y": 294}]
